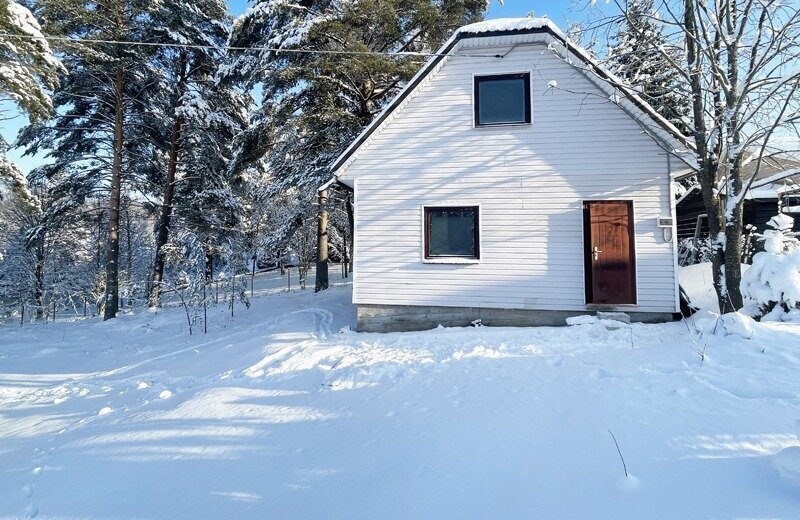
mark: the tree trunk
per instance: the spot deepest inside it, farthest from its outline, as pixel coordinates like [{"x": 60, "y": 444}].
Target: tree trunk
[
  {"x": 209, "y": 267},
  {"x": 726, "y": 246},
  {"x": 129, "y": 251},
  {"x": 733, "y": 265},
  {"x": 321, "y": 282},
  {"x": 724, "y": 229},
  {"x": 39, "y": 278},
  {"x": 169, "y": 191},
  {"x": 112, "y": 261},
  {"x": 734, "y": 199},
  {"x": 365, "y": 109},
  {"x": 351, "y": 222},
  {"x": 730, "y": 299},
  {"x": 345, "y": 256},
  {"x": 98, "y": 250}
]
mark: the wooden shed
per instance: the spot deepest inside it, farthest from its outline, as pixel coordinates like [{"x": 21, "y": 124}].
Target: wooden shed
[{"x": 776, "y": 189}]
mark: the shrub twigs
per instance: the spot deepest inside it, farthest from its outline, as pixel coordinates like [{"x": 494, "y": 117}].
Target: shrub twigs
[{"x": 624, "y": 467}]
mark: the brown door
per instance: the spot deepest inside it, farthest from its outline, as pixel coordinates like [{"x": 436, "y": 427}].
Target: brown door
[{"x": 610, "y": 260}]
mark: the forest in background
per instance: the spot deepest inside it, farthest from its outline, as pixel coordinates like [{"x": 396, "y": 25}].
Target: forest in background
[
  {"x": 184, "y": 146},
  {"x": 162, "y": 169}
]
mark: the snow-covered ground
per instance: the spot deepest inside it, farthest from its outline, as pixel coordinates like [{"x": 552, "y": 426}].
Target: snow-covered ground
[
  {"x": 277, "y": 414},
  {"x": 698, "y": 282}
]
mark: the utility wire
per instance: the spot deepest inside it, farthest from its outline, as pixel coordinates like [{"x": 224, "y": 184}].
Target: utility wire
[{"x": 240, "y": 49}]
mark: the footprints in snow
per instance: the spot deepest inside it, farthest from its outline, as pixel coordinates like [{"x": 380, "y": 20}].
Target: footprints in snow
[
  {"x": 323, "y": 322},
  {"x": 146, "y": 390},
  {"x": 40, "y": 456}
]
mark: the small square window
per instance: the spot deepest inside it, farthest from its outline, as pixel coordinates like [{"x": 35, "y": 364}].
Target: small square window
[
  {"x": 452, "y": 232},
  {"x": 502, "y": 99}
]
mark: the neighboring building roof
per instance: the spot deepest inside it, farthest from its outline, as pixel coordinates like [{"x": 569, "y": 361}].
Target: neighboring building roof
[
  {"x": 512, "y": 26},
  {"x": 777, "y": 175},
  {"x": 771, "y": 183},
  {"x": 781, "y": 166}
]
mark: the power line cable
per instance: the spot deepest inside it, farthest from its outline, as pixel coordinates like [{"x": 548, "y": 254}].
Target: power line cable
[{"x": 241, "y": 49}]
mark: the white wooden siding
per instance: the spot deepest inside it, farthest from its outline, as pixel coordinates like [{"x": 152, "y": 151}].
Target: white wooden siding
[{"x": 530, "y": 181}]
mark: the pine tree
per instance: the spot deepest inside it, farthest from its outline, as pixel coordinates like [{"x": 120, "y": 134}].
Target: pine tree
[
  {"x": 199, "y": 115},
  {"x": 314, "y": 104},
  {"x": 28, "y": 70},
  {"x": 773, "y": 280},
  {"x": 210, "y": 193},
  {"x": 97, "y": 140},
  {"x": 637, "y": 58}
]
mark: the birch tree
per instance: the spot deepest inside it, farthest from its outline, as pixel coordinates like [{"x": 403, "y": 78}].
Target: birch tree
[{"x": 739, "y": 62}]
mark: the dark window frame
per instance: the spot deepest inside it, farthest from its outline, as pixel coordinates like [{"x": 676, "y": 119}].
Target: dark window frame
[
  {"x": 476, "y": 244},
  {"x": 476, "y": 105}
]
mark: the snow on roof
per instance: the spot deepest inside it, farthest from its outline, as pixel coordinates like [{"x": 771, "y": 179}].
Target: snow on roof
[
  {"x": 510, "y": 24},
  {"x": 771, "y": 191},
  {"x": 775, "y": 177},
  {"x": 771, "y": 187}
]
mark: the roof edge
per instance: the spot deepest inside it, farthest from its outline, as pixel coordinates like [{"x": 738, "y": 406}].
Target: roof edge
[
  {"x": 394, "y": 103},
  {"x": 462, "y": 34}
]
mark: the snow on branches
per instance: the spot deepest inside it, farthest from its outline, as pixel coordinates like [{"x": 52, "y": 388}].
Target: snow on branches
[{"x": 773, "y": 281}]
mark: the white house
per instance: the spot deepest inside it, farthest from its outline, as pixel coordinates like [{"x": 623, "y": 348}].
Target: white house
[{"x": 515, "y": 182}]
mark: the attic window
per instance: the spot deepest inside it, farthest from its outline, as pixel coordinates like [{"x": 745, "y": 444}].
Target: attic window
[
  {"x": 452, "y": 232},
  {"x": 503, "y": 99}
]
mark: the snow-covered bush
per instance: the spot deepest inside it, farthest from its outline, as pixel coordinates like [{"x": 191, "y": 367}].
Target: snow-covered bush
[
  {"x": 733, "y": 323},
  {"x": 693, "y": 251},
  {"x": 773, "y": 281}
]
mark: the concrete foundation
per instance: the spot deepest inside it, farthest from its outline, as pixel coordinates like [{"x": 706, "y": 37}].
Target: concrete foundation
[{"x": 401, "y": 318}]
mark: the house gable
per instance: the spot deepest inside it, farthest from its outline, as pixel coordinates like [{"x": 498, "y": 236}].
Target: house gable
[{"x": 487, "y": 44}]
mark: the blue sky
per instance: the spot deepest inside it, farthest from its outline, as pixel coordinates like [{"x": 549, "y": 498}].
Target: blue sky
[{"x": 560, "y": 11}]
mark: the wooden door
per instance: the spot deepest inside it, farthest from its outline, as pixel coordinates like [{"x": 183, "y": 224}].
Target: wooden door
[{"x": 609, "y": 249}]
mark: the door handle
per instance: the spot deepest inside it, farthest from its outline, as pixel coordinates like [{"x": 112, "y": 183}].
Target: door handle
[{"x": 596, "y": 252}]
